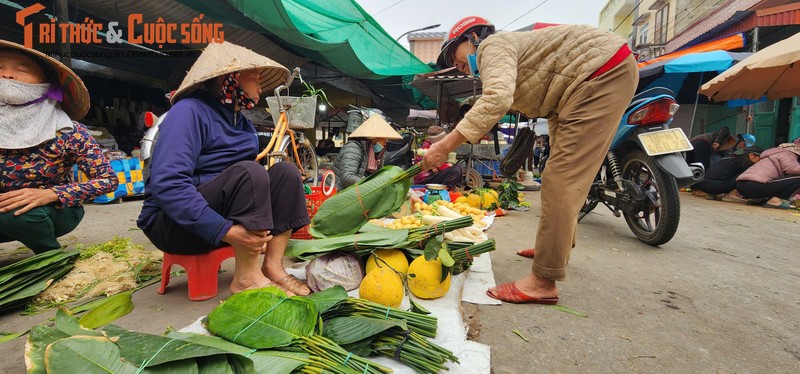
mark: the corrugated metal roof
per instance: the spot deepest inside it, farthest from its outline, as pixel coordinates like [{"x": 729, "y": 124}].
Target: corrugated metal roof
[{"x": 428, "y": 34}]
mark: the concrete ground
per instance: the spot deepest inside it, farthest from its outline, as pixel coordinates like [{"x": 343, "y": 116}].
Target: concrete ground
[{"x": 721, "y": 297}]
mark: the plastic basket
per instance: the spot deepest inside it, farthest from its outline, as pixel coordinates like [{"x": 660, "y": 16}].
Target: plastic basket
[
  {"x": 301, "y": 112},
  {"x": 313, "y": 202}
]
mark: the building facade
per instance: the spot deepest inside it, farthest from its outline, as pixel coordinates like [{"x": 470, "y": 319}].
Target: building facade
[{"x": 426, "y": 45}]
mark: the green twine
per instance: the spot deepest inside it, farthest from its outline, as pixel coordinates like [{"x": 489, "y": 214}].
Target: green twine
[
  {"x": 366, "y": 368},
  {"x": 387, "y": 312},
  {"x": 147, "y": 362},
  {"x": 251, "y": 352},
  {"x": 349, "y": 354},
  {"x": 258, "y": 319}
]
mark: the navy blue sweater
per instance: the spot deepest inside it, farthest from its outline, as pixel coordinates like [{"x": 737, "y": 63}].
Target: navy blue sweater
[{"x": 197, "y": 140}]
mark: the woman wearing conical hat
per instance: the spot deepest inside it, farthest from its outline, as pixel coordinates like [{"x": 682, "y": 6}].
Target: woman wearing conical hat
[
  {"x": 206, "y": 190},
  {"x": 363, "y": 153},
  {"x": 40, "y": 142}
]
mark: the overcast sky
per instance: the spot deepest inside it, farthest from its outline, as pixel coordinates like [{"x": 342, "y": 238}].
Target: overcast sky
[{"x": 405, "y": 15}]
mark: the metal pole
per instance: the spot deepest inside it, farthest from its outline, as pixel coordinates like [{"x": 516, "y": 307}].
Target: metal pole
[
  {"x": 62, "y": 13},
  {"x": 751, "y": 108},
  {"x": 694, "y": 112}
]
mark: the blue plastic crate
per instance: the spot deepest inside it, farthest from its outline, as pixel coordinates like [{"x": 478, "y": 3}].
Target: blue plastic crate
[{"x": 487, "y": 167}]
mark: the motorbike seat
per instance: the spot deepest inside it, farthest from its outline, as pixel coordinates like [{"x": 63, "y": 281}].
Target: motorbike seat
[{"x": 647, "y": 94}]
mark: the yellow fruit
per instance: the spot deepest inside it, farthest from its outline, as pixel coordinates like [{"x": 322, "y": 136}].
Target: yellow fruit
[
  {"x": 382, "y": 286},
  {"x": 395, "y": 258},
  {"x": 461, "y": 199},
  {"x": 424, "y": 277},
  {"x": 488, "y": 197},
  {"x": 474, "y": 200}
]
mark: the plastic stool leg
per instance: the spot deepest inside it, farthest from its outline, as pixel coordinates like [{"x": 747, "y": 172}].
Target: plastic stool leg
[
  {"x": 202, "y": 280},
  {"x": 166, "y": 267}
]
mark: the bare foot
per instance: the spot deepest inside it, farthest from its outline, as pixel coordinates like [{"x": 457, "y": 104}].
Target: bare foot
[
  {"x": 533, "y": 286},
  {"x": 286, "y": 280},
  {"x": 240, "y": 285}
]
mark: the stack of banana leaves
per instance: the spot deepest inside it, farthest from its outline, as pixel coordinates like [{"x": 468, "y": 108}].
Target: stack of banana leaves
[
  {"x": 376, "y": 196},
  {"x": 374, "y": 237},
  {"x": 23, "y": 280},
  {"x": 256, "y": 331}
]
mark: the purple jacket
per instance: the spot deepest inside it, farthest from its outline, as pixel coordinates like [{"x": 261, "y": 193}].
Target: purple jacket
[
  {"x": 775, "y": 163},
  {"x": 198, "y": 140}
]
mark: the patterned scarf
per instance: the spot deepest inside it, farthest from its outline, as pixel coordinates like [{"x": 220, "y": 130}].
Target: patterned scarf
[
  {"x": 373, "y": 160},
  {"x": 231, "y": 89}
]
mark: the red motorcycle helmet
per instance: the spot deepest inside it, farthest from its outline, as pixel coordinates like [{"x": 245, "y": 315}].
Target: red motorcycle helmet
[{"x": 461, "y": 31}]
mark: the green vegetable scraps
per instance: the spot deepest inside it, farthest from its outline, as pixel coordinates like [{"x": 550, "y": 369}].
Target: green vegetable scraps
[{"x": 519, "y": 333}]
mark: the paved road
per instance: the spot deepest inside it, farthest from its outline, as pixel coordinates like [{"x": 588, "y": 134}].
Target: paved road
[{"x": 722, "y": 297}]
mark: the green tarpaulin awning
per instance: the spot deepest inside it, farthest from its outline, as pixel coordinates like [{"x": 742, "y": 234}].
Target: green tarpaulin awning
[{"x": 337, "y": 33}]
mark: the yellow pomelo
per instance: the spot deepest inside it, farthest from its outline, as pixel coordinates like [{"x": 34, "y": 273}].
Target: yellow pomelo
[
  {"x": 461, "y": 199},
  {"x": 382, "y": 286},
  {"x": 424, "y": 278},
  {"x": 395, "y": 258},
  {"x": 488, "y": 197},
  {"x": 474, "y": 200}
]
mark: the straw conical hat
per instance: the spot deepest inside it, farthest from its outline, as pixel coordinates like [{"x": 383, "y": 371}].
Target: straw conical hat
[
  {"x": 222, "y": 58},
  {"x": 76, "y": 96},
  {"x": 375, "y": 127}
]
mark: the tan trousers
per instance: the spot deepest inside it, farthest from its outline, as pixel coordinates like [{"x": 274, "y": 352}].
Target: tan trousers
[{"x": 579, "y": 139}]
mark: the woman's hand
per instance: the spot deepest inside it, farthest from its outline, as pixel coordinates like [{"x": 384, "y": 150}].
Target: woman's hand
[
  {"x": 26, "y": 199},
  {"x": 253, "y": 241},
  {"x": 435, "y": 156}
]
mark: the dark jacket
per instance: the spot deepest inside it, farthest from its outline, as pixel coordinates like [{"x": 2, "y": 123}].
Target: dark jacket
[
  {"x": 728, "y": 168},
  {"x": 197, "y": 140},
  {"x": 351, "y": 164}
]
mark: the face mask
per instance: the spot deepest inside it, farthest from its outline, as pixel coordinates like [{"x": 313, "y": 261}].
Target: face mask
[
  {"x": 472, "y": 60},
  {"x": 377, "y": 147}
]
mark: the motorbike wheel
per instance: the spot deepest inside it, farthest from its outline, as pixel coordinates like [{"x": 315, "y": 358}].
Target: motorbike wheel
[
  {"x": 654, "y": 224},
  {"x": 474, "y": 180},
  {"x": 308, "y": 161}
]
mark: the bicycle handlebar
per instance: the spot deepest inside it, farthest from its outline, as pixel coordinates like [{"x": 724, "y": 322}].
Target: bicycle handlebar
[{"x": 285, "y": 86}]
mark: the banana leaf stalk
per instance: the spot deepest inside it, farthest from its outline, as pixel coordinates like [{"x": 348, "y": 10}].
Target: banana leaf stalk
[
  {"x": 425, "y": 325},
  {"x": 376, "y": 196},
  {"x": 413, "y": 350}
]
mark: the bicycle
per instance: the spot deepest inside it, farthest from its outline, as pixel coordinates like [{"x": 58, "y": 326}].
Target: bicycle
[{"x": 303, "y": 153}]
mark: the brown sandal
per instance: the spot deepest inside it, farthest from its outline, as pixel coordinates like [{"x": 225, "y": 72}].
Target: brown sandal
[{"x": 291, "y": 283}]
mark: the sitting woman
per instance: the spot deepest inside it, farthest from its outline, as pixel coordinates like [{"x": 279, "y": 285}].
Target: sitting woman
[
  {"x": 206, "y": 190},
  {"x": 712, "y": 146},
  {"x": 39, "y": 144},
  {"x": 363, "y": 153},
  {"x": 720, "y": 178},
  {"x": 446, "y": 174},
  {"x": 775, "y": 177}
]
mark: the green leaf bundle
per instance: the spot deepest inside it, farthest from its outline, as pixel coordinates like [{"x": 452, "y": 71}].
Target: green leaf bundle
[
  {"x": 376, "y": 196},
  {"x": 23, "y": 280}
]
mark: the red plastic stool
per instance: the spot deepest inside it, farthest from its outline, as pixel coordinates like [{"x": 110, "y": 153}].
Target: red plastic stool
[{"x": 201, "y": 271}]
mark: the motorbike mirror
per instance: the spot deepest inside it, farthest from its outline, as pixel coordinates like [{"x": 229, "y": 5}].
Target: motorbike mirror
[{"x": 150, "y": 119}]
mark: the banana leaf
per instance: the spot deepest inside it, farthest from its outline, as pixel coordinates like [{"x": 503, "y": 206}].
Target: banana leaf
[
  {"x": 327, "y": 299},
  {"x": 152, "y": 350},
  {"x": 34, "y": 277},
  {"x": 366, "y": 241},
  {"x": 274, "y": 362},
  {"x": 38, "y": 340},
  {"x": 68, "y": 324},
  {"x": 263, "y": 318},
  {"x": 112, "y": 308},
  {"x": 34, "y": 263},
  {"x": 346, "y": 330},
  {"x": 86, "y": 355},
  {"x": 376, "y": 196},
  {"x": 9, "y": 336}
]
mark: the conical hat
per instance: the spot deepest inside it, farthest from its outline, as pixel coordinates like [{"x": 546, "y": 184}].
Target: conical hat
[
  {"x": 222, "y": 58},
  {"x": 375, "y": 127},
  {"x": 76, "y": 96}
]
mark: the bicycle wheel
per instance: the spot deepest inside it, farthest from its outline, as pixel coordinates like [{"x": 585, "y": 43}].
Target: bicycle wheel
[
  {"x": 474, "y": 180},
  {"x": 308, "y": 163}
]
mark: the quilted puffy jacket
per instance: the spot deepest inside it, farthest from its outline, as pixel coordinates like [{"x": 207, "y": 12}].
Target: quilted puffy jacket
[
  {"x": 535, "y": 72},
  {"x": 351, "y": 164},
  {"x": 775, "y": 163}
]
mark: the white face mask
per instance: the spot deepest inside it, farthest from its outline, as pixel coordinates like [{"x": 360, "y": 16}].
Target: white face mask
[{"x": 14, "y": 92}]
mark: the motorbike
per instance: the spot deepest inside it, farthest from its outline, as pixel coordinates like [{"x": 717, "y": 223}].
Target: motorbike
[{"x": 644, "y": 168}]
